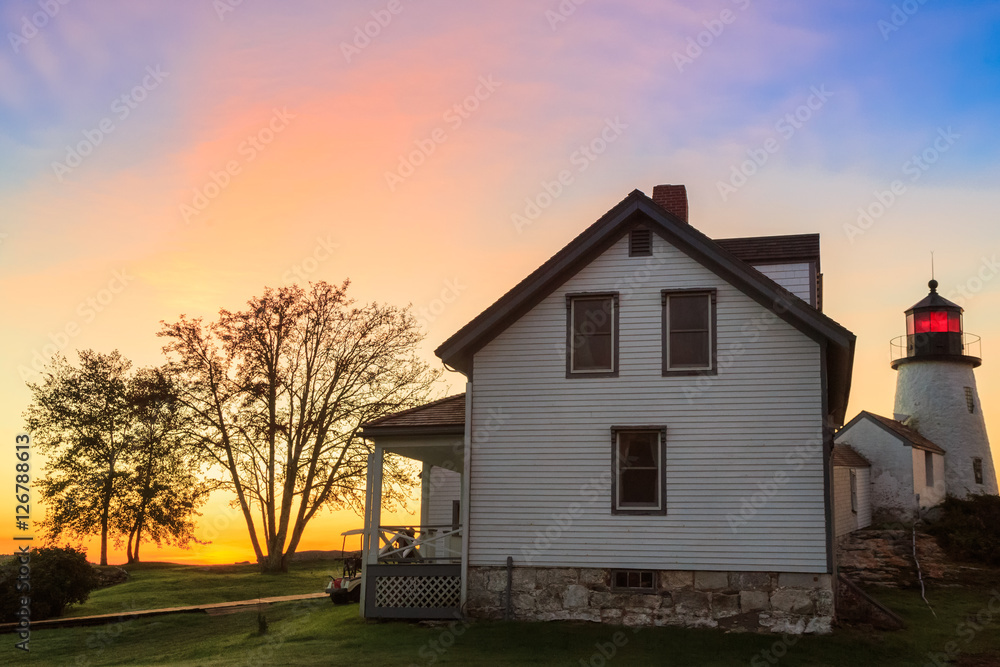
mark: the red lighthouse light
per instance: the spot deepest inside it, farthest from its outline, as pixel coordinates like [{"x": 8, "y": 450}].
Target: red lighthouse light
[{"x": 935, "y": 321}]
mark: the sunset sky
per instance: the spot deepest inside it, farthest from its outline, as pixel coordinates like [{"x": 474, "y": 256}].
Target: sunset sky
[{"x": 166, "y": 158}]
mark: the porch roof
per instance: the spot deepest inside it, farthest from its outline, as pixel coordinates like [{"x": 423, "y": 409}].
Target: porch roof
[{"x": 445, "y": 416}]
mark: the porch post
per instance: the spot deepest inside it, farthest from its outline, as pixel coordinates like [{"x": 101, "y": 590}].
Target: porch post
[
  {"x": 464, "y": 507},
  {"x": 373, "y": 517}
]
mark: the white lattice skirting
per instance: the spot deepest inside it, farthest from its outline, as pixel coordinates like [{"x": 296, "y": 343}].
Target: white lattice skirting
[{"x": 412, "y": 592}]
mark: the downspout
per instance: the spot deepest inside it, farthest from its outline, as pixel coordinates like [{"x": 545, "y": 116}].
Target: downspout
[{"x": 466, "y": 495}]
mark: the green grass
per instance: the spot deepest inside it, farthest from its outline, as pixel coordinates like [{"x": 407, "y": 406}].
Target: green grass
[
  {"x": 158, "y": 585},
  {"x": 316, "y": 632}
]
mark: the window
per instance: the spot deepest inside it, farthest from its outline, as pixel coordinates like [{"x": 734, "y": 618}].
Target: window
[
  {"x": 929, "y": 468},
  {"x": 639, "y": 478},
  {"x": 977, "y": 470},
  {"x": 854, "y": 490},
  {"x": 456, "y": 514},
  {"x": 633, "y": 579},
  {"x": 640, "y": 242},
  {"x": 970, "y": 400},
  {"x": 688, "y": 332},
  {"x": 592, "y": 330}
]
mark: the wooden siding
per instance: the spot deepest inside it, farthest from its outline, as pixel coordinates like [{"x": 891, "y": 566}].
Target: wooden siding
[
  {"x": 845, "y": 519},
  {"x": 444, "y": 488},
  {"x": 541, "y": 447},
  {"x": 796, "y": 278}
]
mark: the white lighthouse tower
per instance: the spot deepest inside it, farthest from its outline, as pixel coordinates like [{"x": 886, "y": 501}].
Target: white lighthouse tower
[{"x": 936, "y": 392}]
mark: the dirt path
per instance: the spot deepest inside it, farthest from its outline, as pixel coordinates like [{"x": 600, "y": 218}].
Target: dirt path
[{"x": 214, "y": 608}]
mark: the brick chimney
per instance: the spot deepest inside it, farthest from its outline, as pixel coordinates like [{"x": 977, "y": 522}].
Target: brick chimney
[{"x": 674, "y": 198}]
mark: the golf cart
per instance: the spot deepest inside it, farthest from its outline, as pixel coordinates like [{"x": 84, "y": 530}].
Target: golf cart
[{"x": 347, "y": 588}]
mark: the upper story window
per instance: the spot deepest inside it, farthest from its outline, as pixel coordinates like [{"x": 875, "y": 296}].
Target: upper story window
[
  {"x": 970, "y": 400},
  {"x": 639, "y": 472},
  {"x": 688, "y": 332},
  {"x": 592, "y": 332}
]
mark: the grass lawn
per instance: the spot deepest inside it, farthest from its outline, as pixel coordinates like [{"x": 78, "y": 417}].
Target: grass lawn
[
  {"x": 315, "y": 632},
  {"x": 157, "y": 585}
]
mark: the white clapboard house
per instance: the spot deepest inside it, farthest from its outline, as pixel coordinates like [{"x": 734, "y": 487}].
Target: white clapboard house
[{"x": 645, "y": 438}]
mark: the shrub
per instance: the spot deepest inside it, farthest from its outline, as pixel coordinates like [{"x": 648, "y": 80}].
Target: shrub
[
  {"x": 970, "y": 529},
  {"x": 59, "y": 576}
]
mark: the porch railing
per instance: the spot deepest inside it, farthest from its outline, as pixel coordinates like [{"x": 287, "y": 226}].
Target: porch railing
[
  {"x": 417, "y": 573},
  {"x": 419, "y": 544}
]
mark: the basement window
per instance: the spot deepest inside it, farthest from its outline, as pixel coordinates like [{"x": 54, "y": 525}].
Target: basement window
[
  {"x": 970, "y": 400},
  {"x": 640, "y": 243},
  {"x": 633, "y": 580},
  {"x": 977, "y": 470}
]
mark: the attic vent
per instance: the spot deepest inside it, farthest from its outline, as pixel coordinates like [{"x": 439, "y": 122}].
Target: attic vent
[{"x": 640, "y": 243}]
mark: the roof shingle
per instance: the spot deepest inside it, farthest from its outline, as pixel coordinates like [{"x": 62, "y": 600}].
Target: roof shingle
[
  {"x": 448, "y": 411},
  {"x": 910, "y": 435},
  {"x": 847, "y": 456}
]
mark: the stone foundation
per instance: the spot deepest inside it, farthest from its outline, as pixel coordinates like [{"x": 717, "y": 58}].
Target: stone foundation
[{"x": 785, "y": 603}]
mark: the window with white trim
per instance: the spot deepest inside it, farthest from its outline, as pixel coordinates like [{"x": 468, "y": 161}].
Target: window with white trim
[
  {"x": 592, "y": 346},
  {"x": 639, "y": 472},
  {"x": 688, "y": 332}
]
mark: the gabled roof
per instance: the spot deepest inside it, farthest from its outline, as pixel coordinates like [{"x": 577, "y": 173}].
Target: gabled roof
[
  {"x": 638, "y": 209},
  {"x": 905, "y": 433},
  {"x": 774, "y": 249},
  {"x": 443, "y": 416},
  {"x": 847, "y": 457}
]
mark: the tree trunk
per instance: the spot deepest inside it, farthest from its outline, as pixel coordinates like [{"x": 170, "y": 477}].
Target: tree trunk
[{"x": 274, "y": 562}]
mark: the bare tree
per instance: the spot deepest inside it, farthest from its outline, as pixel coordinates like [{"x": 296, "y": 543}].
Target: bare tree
[{"x": 276, "y": 395}]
